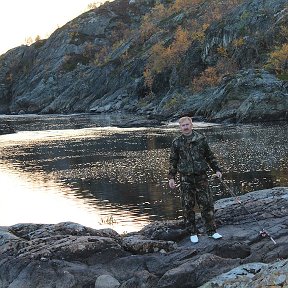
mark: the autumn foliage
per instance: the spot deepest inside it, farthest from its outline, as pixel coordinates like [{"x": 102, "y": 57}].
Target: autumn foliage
[
  {"x": 212, "y": 76},
  {"x": 278, "y": 60},
  {"x": 163, "y": 58},
  {"x": 208, "y": 78},
  {"x": 150, "y": 21},
  {"x": 166, "y": 44}
]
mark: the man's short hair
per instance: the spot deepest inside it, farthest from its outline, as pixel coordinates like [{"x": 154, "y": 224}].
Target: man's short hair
[{"x": 185, "y": 118}]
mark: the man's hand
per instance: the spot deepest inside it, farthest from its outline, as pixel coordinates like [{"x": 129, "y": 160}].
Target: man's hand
[
  {"x": 172, "y": 183},
  {"x": 219, "y": 174}
]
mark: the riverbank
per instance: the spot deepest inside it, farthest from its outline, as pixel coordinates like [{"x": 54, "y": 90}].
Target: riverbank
[{"x": 159, "y": 255}]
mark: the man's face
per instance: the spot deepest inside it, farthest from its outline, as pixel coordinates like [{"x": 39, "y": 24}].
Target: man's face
[{"x": 186, "y": 127}]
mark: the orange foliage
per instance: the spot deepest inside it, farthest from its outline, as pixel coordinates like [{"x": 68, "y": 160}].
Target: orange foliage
[
  {"x": 180, "y": 45},
  {"x": 222, "y": 51},
  {"x": 147, "y": 29},
  {"x": 159, "y": 12},
  {"x": 150, "y": 20},
  {"x": 278, "y": 60},
  {"x": 199, "y": 31},
  {"x": 238, "y": 42},
  {"x": 157, "y": 61},
  {"x": 212, "y": 76},
  {"x": 208, "y": 78},
  {"x": 162, "y": 58}
]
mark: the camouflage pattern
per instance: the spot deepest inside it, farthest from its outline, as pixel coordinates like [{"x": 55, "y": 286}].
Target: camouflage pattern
[
  {"x": 195, "y": 189},
  {"x": 191, "y": 157}
]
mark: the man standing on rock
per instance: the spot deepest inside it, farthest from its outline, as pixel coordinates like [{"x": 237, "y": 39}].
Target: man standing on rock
[{"x": 190, "y": 156}]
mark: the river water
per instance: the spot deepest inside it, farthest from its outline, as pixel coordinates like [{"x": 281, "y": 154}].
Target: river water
[{"x": 82, "y": 168}]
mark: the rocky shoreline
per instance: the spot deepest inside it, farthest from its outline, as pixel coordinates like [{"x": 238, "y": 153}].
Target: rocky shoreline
[{"x": 160, "y": 255}]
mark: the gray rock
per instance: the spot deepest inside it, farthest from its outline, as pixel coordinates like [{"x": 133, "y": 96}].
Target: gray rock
[
  {"x": 253, "y": 275},
  {"x": 106, "y": 281},
  {"x": 71, "y": 255},
  {"x": 140, "y": 244}
]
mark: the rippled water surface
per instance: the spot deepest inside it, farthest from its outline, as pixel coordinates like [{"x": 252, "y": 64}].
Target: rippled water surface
[{"x": 72, "y": 168}]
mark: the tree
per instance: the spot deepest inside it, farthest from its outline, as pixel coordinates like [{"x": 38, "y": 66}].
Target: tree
[
  {"x": 208, "y": 78},
  {"x": 162, "y": 57},
  {"x": 278, "y": 60}
]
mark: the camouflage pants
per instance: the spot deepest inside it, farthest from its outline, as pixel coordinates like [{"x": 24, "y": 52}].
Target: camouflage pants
[{"x": 195, "y": 189}]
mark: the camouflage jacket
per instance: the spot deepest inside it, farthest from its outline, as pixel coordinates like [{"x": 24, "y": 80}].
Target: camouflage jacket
[{"x": 191, "y": 155}]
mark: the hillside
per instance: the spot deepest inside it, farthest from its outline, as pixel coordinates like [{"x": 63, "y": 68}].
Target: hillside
[{"x": 221, "y": 60}]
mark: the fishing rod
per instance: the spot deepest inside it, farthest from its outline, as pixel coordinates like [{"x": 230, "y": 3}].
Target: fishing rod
[{"x": 263, "y": 232}]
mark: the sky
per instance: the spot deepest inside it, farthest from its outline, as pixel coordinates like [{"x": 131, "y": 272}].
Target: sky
[{"x": 21, "y": 19}]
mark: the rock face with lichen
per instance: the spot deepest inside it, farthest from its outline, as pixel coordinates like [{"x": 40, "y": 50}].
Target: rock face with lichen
[
  {"x": 160, "y": 255},
  {"x": 96, "y": 63}
]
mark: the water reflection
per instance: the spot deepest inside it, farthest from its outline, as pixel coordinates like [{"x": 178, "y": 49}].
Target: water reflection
[
  {"x": 38, "y": 199},
  {"x": 111, "y": 177}
]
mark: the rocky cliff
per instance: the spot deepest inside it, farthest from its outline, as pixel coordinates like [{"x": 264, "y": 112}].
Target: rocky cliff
[{"x": 157, "y": 58}]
